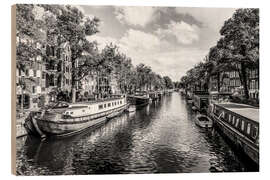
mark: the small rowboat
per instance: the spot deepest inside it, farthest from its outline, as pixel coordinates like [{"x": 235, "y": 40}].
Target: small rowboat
[{"x": 203, "y": 121}]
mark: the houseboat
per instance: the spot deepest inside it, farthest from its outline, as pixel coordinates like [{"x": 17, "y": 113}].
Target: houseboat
[
  {"x": 139, "y": 99},
  {"x": 201, "y": 100},
  {"x": 240, "y": 123},
  {"x": 68, "y": 120}
]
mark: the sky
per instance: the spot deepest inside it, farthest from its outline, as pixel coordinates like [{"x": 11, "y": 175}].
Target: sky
[{"x": 169, "y": 39}]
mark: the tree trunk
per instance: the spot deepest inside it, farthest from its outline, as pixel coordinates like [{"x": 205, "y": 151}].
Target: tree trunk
[
  {"x": 218, "y": 81},
  {"x": 244, "y": 79},
  {"x": 73, "y": 90},
  {"x": 22, "y": 100}
]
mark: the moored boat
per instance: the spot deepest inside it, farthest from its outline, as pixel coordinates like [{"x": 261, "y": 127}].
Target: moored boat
[
  {"x": 131, "y": 108},
  {"x": 203, "y": 121},
  {"x": 240, "y": 124},
  {"x": 78, "y": 116},
  {"x": 139, "y": 99}
]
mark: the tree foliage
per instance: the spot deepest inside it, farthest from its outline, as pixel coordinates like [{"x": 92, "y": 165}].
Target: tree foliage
[{"x": 236, "y": 50}]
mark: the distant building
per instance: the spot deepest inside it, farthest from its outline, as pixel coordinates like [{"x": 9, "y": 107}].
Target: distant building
[
  {"x": 58, "y": 70},
  {"x": 234, "y": 81},
  {"x": 88, "y": 85},
  {"x": 253, "y": 83}
]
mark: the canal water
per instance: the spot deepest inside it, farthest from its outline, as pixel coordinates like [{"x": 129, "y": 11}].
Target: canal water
[{"x": 159, "y": 138}]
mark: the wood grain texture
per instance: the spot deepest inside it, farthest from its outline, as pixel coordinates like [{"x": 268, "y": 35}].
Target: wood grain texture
[{"x": 13, "y": 89}]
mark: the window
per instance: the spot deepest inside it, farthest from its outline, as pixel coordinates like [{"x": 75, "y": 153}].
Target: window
[
  {"x": 109, "y": 104},
  {"x": 120, "y": 102},
  {"x": 34, "y": 89},
  {"x": 67, "y": 81},
  {"x": 255, "y": 132},
  {"x": 83, "y": 110},
  {"x": 100, "y": 106},
  {"x": 43, "y": 75},
  {"x": 27, "y": 72},
  {"x": 104, "y": 105},
  {"x": 248, "y": 128},
  {"x": 243, "y": 125},
  {"x": 237, "y": 122},
  {"x": 230, "y": 116},
  {"x": 233, "y": 120},
  {"x": 20, "y": 72}
]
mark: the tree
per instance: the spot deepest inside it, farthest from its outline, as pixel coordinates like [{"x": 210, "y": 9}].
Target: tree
[
  {"x": 28, "y": 34},
  {"x": 241, "y": 39},
  {"x": 168, "y": 82},
  {"x": 143, "y": 75},
  {"x": 74, "y": 29}
]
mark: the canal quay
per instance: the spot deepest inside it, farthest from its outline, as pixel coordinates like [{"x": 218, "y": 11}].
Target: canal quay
[{"x": 158, "y": 138}]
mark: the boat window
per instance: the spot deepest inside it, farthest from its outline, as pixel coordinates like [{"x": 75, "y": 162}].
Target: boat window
[
  {"x": 120, "y": 102},
  {"x": 109, "y": 104},
  {"x": 233, "y": 120},
  {"x": 67, "y": 112},
  {"x": 254, "y": 132},
  {"x": 226, "y": 116},
  {"x": 104, "y": 105},
  {"x": 71, "y": 112},
  {"x": 243, "y": 125},
  {"x": 237, "y": 122},
  {"x": 83, "y": 110},
  {"x": 100, "y": 106},
  {"x": 248, "y": 128}
]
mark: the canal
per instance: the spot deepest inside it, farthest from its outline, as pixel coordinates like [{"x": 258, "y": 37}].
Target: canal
[{"x": 159, "y": 138}]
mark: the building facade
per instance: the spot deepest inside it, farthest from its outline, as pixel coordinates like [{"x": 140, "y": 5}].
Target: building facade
[
  {"x": 30, "y": 81},
  {"x": 253, "y": 83}
]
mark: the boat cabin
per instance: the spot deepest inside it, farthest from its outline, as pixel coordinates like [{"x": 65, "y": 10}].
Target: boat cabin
[
  {"x": 90, "y": 108},
  {"x": 241, "y": 117}
]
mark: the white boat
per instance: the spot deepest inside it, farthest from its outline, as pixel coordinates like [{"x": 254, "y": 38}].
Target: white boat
[
  {"x": 203, "y": 121},
  {"x": 78, "y": 117},
  {"x": 131, "y": 109}
]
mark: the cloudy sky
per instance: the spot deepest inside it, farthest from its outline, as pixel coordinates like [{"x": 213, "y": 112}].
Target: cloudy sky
[{"x": 170, "y": 40}]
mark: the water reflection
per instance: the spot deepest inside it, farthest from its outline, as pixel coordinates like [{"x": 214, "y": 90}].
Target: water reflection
[{"x": 159, "y": 138}]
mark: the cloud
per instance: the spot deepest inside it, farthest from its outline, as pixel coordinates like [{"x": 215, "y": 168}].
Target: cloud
[
  {"x": 170, "y": 63},
  {"x": 210, "y": 17},
  {"x": 137, "y": 16},
  {"x": 135, "y": 39},
  {"x": 149, "y": 49},
  {"x": 182, "y": 31}
]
